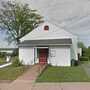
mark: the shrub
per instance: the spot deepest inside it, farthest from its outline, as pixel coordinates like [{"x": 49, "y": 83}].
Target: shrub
[
  {"x": 83, "y": 58},
  {"x": 15, "y": 52},
  {"x": 2, "y": 54},
  {"x": 16, "y": 62},
  {"x": 74, "y": 62}
]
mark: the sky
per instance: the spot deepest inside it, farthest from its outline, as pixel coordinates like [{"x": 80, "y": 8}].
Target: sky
[{"x": 72, "y": 15}]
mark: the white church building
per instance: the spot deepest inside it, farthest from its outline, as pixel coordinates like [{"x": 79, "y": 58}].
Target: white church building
[{"x": 48, "y": 44}]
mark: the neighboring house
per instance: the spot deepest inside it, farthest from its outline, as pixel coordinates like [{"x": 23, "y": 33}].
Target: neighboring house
[
  {"x": 80, "y": 51},
  {"x": 48, "y": 44},
  {"x": 8, "y": 52}
]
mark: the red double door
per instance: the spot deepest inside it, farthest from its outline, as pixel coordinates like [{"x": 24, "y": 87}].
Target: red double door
[{"x": 43, "y": 55}]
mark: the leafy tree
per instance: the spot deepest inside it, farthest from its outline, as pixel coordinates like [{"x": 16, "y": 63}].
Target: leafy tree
[
  {"x": 18, "y": 20},
  {"x": 87, "y": 53},
  {"x": 81, "y": 45}
]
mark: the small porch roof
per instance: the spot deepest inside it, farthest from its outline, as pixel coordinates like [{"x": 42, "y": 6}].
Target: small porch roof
[{"x": 47, "y": 42}]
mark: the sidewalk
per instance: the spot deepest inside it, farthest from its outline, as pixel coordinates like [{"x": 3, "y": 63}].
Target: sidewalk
[
  {"x": 3, "y": 85},
  {"x": 62, "y": 86},
  {"x": 25, "y": 85}
]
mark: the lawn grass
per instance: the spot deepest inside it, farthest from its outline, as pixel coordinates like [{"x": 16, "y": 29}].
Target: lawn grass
[
  {"x": 11, "y": 73},
  {"x": 2, "y": 61},
  {"x": 64, "y": 74}
]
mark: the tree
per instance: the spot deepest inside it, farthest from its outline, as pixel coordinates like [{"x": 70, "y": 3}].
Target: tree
[
  {"x": 18, "y": 20},
  {"x": 81, "y": 45}
]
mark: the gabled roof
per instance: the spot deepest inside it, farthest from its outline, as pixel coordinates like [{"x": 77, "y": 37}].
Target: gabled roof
[
  {"x": 54, "y": 32},
  {"x": 27, "y": 43}
]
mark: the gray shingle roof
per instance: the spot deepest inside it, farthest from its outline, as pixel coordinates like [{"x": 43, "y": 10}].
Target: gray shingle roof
[{"x": 27, "y": 43}]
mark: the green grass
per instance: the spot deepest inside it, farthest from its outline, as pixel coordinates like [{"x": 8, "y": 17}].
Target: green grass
[
  {"x": 2, "y": 61},
  {"x": 11, "y": 73},
  {"x": 64, "y": 74}
]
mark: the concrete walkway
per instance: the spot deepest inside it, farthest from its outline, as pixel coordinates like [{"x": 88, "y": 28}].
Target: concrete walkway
[
  {"x": 61, "y": 86},
  {"x": 22, "y": 85},
  {"x": 3, "y": 85}
]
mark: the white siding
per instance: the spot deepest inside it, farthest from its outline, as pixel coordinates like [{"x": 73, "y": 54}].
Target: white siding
[
  {"x": 60, "y": 56},
  {"x": 54, "y": 32},
  {"x": 26, "y": 55},
  {"x": 74, "y": 48}
]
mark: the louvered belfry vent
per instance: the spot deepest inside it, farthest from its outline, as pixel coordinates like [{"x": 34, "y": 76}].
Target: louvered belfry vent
[{"x": 46, "y": 27}]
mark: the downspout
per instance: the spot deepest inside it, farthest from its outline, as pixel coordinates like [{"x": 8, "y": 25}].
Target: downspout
[{"x": 34, "y": 55}]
